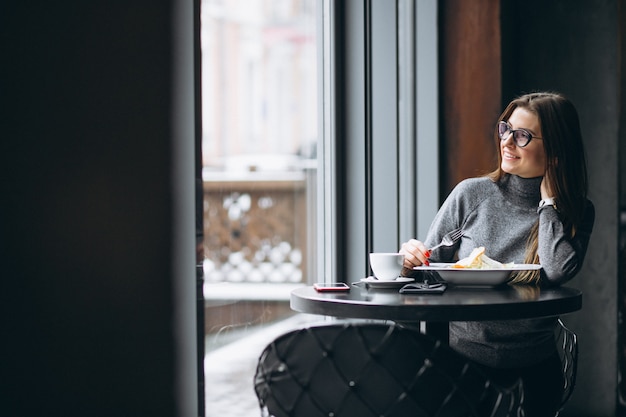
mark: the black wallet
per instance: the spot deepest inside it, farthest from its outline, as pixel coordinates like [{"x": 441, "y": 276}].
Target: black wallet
[{"x": 424, "y": 288}]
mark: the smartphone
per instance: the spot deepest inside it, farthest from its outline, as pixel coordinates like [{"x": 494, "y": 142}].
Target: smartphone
[{"x": 337, "y": 286}]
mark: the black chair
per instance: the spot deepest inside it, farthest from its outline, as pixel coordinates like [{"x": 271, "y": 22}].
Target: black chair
[
  {"x": 567, "y": 346},
  {"x": 369, "y": 369}
]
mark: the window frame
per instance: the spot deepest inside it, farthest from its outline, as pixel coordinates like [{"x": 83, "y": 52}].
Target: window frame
[{"x": 372, "y": 119}]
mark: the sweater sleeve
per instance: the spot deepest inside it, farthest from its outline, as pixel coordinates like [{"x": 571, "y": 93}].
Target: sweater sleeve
[
  {"x": 561, "y": 255},
  {"x": 451, "y": 216}
]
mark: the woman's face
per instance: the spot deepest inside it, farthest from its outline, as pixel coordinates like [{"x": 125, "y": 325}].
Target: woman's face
[{"x": 529, "y": 161}]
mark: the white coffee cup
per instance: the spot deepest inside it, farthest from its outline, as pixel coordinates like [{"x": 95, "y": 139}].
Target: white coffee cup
[{"x": 386, "y": 266}]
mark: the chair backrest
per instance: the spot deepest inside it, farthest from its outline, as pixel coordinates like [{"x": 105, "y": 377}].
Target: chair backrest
[
  {"x": 373, "y": 370},
  {"x": 567, "y": 346}
]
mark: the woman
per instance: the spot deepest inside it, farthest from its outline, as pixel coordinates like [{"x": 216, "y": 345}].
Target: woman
[{"x": 532, "y": 209}]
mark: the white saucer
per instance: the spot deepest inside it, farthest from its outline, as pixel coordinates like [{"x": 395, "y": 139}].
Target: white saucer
[{"x": 376, "y": 283}]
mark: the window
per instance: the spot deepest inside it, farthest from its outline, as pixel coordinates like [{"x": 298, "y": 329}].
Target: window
[{"x": 316, "y": 150}]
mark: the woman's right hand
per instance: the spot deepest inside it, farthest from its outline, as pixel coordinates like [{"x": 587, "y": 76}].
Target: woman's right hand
[{"x": 415, "y": 253}]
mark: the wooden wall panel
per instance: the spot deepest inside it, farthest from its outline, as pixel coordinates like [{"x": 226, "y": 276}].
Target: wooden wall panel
[{"x": 471, "y": 89}]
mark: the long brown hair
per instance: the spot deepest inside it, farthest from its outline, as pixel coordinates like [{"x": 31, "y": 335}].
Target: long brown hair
[{"x": 566, "y": 165}]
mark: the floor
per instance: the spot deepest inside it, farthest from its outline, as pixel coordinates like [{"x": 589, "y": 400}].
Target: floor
[{"x": 229, "y": 369}]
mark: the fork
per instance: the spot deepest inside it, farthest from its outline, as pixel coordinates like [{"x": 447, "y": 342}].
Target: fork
[{"x": 449, "y": 239}]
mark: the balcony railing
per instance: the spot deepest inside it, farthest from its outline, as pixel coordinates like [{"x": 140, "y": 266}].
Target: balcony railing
[{"x": 257, "y": 230}]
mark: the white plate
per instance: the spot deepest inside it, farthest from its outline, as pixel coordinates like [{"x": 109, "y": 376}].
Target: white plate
[
  {"x": 377, "y": 283},
  {"x": 484, "y": 277}
]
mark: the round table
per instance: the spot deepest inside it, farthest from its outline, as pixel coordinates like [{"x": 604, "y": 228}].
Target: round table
[{"x": 437, "y": 310}]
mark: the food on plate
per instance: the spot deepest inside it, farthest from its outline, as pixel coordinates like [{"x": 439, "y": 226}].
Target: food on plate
[{"x": 478, "y": 260}]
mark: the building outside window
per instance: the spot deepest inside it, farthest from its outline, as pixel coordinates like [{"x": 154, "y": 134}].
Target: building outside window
[{"x": 259, "y": 163}]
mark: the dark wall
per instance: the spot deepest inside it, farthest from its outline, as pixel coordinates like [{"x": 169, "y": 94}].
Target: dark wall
[
  {"x": 621, "y": 303},
  {"x": 86, "y": 213},
  {"x": 572, "y": 46},
  {"x": 470, "y": 85}
]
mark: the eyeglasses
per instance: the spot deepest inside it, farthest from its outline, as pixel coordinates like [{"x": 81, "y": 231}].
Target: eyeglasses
[{"x": 521, "y": 137}]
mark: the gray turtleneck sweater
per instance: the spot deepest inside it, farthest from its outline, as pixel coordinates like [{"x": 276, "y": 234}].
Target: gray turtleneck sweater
[{"x": 499, "y": 216}]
